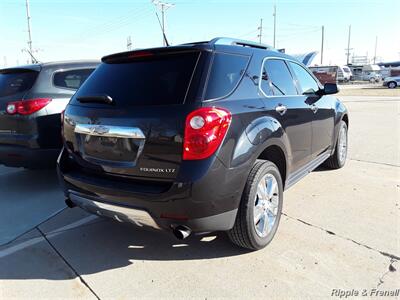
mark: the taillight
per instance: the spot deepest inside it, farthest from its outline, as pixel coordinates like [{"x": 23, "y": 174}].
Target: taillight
[
  {"x": 205, "y": 129},
  {"x": 27, "y": 107}
]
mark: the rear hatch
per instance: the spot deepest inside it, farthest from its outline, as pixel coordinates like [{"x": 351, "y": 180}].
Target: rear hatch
[
  {"x": 128, "y": 117},
  {"x": 14, "y": 84}
]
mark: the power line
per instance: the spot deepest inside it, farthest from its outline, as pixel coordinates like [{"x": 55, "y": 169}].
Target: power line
[
  {"x": 129, "y": 15},
  {"x": 296, "y": 34},
  {"x": 303, "y": 26},
  {"x": 248, "y": 33},
  {"x": 115, "y": 23}
]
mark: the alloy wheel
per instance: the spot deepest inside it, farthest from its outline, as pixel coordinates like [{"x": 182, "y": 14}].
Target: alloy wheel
[{"x": 266, "y": 205}]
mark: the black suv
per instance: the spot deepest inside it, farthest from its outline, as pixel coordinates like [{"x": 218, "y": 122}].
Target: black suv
[
  {"x": 32, "y": 98},
  {"x": 199, "y": 137}
]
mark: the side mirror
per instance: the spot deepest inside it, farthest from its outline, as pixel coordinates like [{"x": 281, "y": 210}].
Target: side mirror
[{"x": 329, "y": 89}]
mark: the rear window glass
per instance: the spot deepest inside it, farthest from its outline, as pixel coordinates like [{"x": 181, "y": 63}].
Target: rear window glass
[
  {"x": 226, "y": 72},
  {"x": 71, "y": 79},
  {"x": 158, "y": 80},
  {"x": 16, "y": 82}
]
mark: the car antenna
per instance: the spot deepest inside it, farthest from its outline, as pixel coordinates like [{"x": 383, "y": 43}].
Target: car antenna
[
  {"x": 163, "y": 32},
  {"x": 34, "y": 60}
]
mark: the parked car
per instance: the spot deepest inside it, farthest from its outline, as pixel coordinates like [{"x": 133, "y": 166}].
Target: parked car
[
  {"x": 392, "y": 82},
  {"x": 32, "y": 98},
  {"x": 199, "y": 137},
  {"x": 344, "y": 74},
  {"x": 372, "y": 77}
]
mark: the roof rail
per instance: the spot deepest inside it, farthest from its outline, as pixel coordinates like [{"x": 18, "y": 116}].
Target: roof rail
[{"x": 238, "y": 42}]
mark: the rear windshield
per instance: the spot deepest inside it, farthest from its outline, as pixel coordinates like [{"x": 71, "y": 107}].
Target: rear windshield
[
  {"x": 158, "y": 80},
  {"x": 226, "y": 72},
  {"x": 71, "y": 79},
  {"x": 18, "y": 81}
]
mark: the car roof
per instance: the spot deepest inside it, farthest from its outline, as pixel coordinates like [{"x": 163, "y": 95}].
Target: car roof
[
  {"x": 38, "y": 66},
  {"x": 217, "y": 44},
  {"x": 71, "y": 63}
]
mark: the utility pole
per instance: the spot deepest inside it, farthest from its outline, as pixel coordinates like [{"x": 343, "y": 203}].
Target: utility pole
[
  {"x": 322, "y": 45},
  {"x": 376, "y": 45},
  {"x": 129, "y": 43},
  {"x": 274, "y": 25},
  {"x": 260, "y": 30},
  {"x": 163, "y": 6},
  {"x": 28, "y": 18},
  {"x": 348, "y": 46}
]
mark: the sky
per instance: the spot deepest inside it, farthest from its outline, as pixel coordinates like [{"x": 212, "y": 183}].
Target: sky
[{"x": 90, "y": 29}]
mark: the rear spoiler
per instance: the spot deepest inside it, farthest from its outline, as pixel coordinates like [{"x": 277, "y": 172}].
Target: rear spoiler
[
  {"x": 27, "y": 68},
  {"x": 147, "y": 53}
]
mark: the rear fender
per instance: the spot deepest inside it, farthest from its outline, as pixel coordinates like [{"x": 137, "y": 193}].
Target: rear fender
[{"x": 257, "y": 136}]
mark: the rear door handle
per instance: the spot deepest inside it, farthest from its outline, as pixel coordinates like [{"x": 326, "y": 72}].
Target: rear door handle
[
  {"x": 314, "y": 108},
  {"x": 281, "y": 109}
]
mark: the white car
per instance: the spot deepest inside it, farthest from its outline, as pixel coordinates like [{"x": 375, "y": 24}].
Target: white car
[
  {"x": 392, "y": 82},
  {"x": 371, "y": 77},
  {"x": 344, "y": 74}
]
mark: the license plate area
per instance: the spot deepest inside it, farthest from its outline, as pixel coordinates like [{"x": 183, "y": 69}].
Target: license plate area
[{"x": 111, "y": 146}]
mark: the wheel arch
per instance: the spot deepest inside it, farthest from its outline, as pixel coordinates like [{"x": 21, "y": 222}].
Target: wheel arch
[
  {"x": 276, "y": 154},
  {"x": 345, "y": 118}
]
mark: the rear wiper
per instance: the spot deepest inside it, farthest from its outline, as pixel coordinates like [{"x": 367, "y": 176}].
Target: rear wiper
[{"x": 96, "y": 99}]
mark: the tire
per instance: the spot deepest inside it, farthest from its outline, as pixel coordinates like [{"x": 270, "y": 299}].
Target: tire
[
  {"x": 338, "y": 158},
  {"x": 246, "y": 233},
  {"x": 392, "y": 85}
]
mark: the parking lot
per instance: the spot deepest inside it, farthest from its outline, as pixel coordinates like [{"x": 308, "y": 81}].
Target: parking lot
[{"x": 340, "y": 230}]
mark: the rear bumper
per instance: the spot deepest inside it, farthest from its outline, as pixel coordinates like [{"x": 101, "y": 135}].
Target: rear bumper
[
  {"x": 20, "y": 156},
  {"x": 208, "y": 203},
  {"x": 141, "y": 217}
]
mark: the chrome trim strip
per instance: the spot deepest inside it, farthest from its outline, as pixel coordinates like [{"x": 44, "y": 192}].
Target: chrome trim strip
[
  {"x": 6, "y": 131},
  {"x": 110, "y": 131},
  {"x": 137, "y": 216}
]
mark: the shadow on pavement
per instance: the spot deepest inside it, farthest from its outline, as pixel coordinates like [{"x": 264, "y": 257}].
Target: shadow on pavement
[
  {"x": 106, "y": 245},
  {"x": 27, "y": 198}
]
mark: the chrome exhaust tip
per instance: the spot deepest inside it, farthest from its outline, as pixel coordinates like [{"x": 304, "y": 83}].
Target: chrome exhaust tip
[{"x": 181, "y": 232}]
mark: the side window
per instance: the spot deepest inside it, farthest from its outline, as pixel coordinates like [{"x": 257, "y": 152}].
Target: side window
[
  {"x": 307, "y": 82},
  {"x": 280, "y": 78},
  {"x": 265, "y": 82},
  {"x": 71, "y": 79},
  {"x": 226, "y": 71}
]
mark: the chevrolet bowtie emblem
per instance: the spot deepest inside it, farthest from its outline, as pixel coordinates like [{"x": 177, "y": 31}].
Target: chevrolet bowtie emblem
[{"x": 99, "y": 129}]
